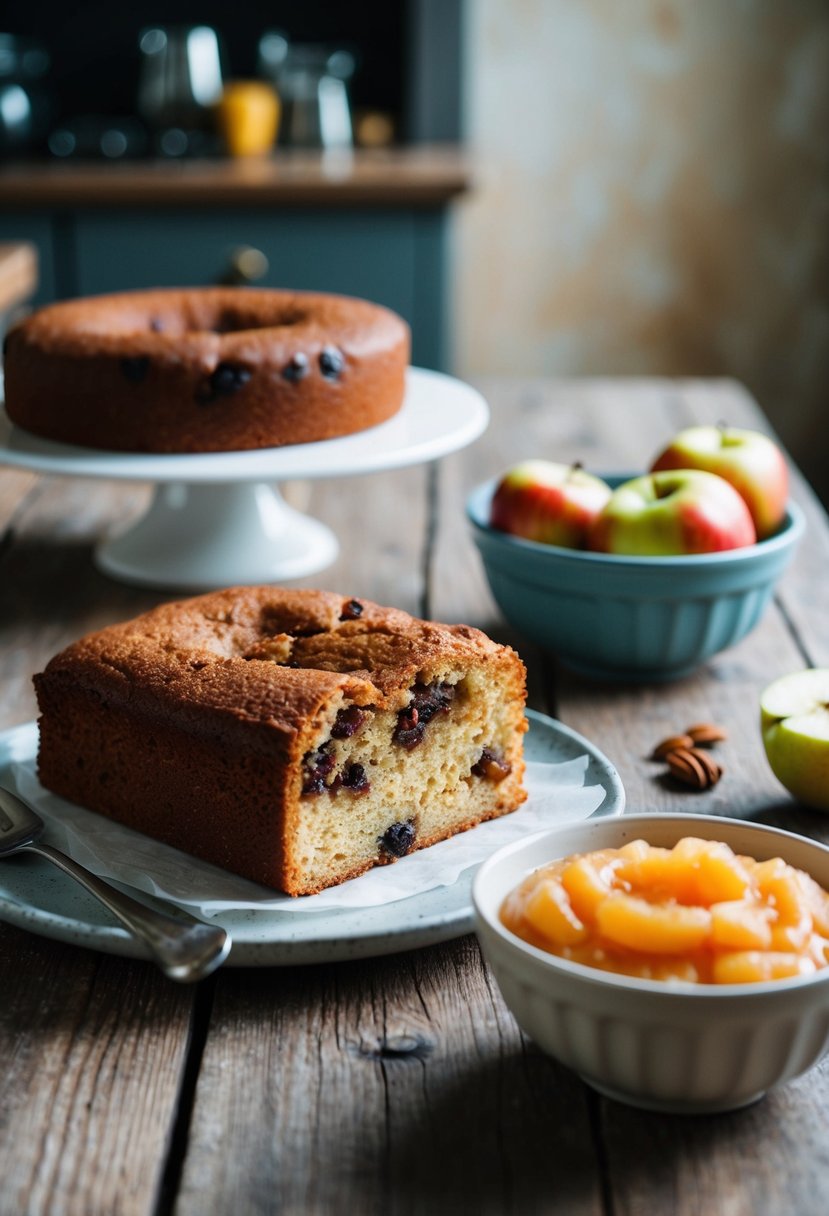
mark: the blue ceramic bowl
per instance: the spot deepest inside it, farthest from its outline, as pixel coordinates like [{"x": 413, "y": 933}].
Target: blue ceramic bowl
[{"x": 630, "y": 618}]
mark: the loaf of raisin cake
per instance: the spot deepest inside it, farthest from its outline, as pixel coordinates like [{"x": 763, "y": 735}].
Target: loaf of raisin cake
[{"x": 297, "y": 738}]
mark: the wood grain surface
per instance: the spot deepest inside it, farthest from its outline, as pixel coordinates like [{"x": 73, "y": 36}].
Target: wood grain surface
[{"x": 401, "y": 1084}]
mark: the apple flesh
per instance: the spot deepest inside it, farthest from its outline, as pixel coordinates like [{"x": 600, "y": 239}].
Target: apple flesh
[
  {"x": 749, "y": 460},
  {"x": 555, "y": 504},
  {"x": 794, "y": 718},
  {"x": 673, "y": 513}
]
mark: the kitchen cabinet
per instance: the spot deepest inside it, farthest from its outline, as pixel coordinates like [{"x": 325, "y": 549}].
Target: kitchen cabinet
[
  {"x": 392, "y": 257},
  {"x": 378, "y": 228}
]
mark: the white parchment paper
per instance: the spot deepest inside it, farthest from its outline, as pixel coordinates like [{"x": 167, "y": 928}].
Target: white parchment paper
[{"x": 557, "y": 794}]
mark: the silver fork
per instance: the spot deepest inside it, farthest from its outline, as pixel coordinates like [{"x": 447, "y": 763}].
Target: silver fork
[{"x": 185, "y": 948}]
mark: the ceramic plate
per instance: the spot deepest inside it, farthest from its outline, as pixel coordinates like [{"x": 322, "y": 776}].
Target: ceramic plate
[{"x": 35, "y": 895}]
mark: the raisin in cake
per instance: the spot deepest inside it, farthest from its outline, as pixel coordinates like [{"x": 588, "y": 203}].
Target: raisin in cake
[{"x": 295, "y": 737}]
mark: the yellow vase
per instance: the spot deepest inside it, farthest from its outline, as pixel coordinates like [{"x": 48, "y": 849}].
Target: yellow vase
[{"x": 248, "y": 117}]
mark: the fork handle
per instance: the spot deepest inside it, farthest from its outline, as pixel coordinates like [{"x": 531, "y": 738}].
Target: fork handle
[{"x": 186, "y": 949}]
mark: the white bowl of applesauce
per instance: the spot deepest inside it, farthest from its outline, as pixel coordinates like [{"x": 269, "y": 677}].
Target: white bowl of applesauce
[{"x": 676, "y": 962}]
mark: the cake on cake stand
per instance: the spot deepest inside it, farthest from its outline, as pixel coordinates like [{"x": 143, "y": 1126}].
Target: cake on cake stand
[{"x": 218, "y": 519}]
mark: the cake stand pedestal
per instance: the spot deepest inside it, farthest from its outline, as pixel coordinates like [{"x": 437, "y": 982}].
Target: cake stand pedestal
[
  {"x": 217, "y": 519},
  {"x": 248, "y": 532}
]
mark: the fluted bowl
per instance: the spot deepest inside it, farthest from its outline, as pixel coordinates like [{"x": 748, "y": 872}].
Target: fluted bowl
[
  {"x": 672, "y": 1046},
  {"x": 630, "y": 618}
]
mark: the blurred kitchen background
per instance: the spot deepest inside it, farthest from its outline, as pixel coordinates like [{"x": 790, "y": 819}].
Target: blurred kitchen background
[{"x": 543, "y": 187}]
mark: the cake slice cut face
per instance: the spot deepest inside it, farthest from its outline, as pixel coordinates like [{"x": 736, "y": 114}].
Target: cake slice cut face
[{"x": 297, "y": 738}]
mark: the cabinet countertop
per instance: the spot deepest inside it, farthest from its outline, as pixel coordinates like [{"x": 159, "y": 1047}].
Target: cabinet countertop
[{"x": 423, "y": 176}]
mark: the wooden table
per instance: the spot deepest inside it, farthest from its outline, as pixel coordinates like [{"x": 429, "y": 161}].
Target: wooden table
[{"x": 402, "y": 1084}]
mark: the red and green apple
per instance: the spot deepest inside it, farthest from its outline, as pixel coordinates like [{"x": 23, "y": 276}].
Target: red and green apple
[
  {"x": 555, "y": 504},
  {"x": 672, "y": 513},
  {"x": 794, "y": 717},
  {"x": 749, "y": 460}
]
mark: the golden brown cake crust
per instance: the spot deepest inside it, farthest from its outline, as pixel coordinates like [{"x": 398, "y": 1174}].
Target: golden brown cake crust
[
  {"x": 214, "y": 652},
  {"x": 205, "y": 369},
  {"x": 193, "y": 721}
]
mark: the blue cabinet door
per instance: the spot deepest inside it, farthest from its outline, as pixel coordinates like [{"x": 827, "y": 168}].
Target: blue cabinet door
[{"x": 394, "y": 257}]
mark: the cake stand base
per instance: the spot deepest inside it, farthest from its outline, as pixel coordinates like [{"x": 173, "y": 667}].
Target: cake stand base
[{"x": 202, "y": 537}]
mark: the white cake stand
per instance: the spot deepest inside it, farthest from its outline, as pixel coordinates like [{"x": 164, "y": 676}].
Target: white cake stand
[{"x": 217, "y": 520}]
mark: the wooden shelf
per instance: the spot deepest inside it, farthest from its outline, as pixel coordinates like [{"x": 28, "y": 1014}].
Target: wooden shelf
[{"x": 422, "y": 176}]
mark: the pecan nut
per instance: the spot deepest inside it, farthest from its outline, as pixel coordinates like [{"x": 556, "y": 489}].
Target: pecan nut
[
  {"x": 671, "y": 744},
  {"x": 704, "y": 734},
  {"x": 693, "y": 767}
]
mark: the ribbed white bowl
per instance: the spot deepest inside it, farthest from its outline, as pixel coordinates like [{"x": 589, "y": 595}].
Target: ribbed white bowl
[{"x": 687, "y": 1048}]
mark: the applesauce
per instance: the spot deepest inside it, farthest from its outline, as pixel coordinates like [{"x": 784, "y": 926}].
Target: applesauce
[{"x": 697, "y": 912}]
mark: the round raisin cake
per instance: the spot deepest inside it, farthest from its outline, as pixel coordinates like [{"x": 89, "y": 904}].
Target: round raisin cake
[{"x": 205, "y": 369}]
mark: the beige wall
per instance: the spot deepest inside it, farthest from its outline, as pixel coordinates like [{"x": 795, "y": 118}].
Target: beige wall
[{"x": 653, "y": 197}]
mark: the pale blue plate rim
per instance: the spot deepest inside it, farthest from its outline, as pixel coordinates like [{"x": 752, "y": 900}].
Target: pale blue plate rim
[{"x": 37, "y": 897}]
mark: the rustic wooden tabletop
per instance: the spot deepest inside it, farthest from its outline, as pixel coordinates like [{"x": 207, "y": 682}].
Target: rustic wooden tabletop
[{"x": 399, "y": 1084}]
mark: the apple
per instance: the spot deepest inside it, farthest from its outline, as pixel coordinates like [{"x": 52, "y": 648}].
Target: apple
[
  {"x": 752, "y": 462},
  {"x": 679, "y": 511},
  {"x": 794, "y": 718},
  {"x": 555, "y": 504}
]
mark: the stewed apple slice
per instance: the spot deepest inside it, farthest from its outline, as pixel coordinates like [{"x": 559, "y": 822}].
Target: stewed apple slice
[
  {"x": 550, "y": 913},
  {"x": 629, "y": 921}
]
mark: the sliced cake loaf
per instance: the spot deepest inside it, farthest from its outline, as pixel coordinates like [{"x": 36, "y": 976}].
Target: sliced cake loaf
[{"x": 295, "y": 737}]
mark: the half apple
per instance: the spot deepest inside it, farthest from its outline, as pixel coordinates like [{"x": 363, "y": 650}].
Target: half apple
[{"x": 794, "y": 713}]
